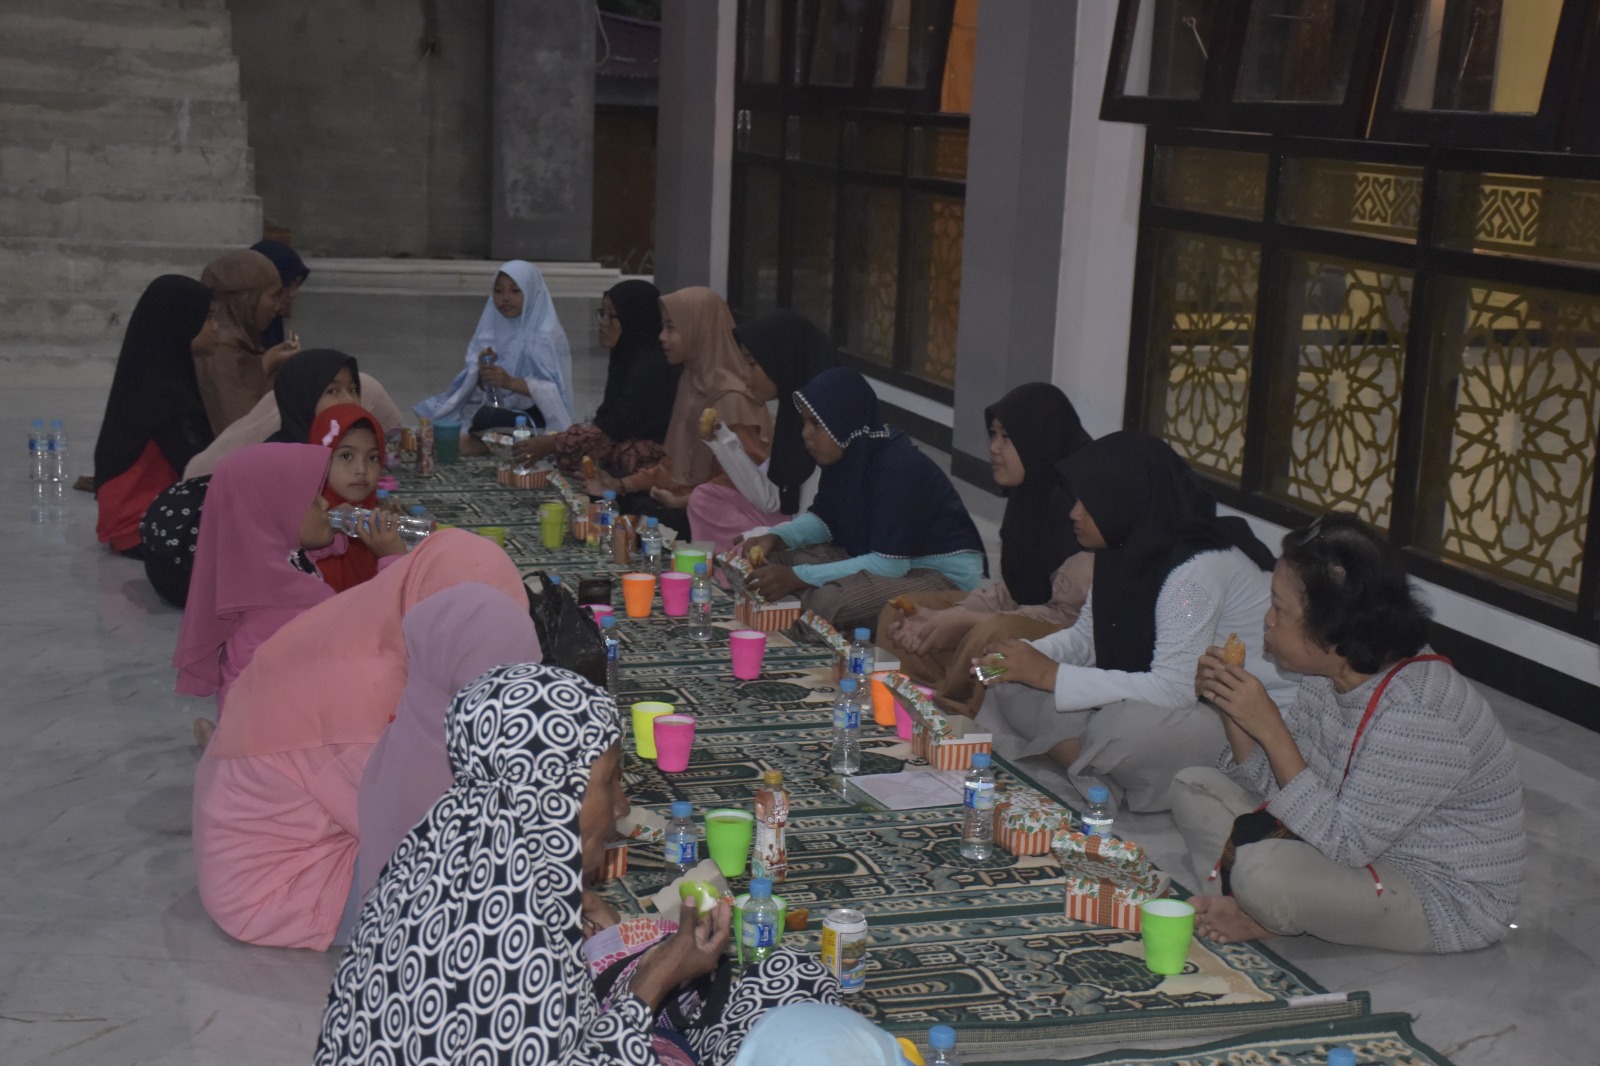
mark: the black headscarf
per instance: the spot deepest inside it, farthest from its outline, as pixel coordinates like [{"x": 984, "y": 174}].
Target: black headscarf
[
  {"x": 301, "y": 381},
  {"x": 883, "y": 496},
  {"x": 791, "y": 351},
  {"x": 640, "y": 384},
  {"x": 154, "y": 385},
  {"x": 291, "y": 268},
  {"x": 1036, "y": 532},
  {"x": 1154, "y": 517}
]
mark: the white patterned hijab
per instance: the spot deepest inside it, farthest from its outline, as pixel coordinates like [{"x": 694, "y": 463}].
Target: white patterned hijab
[{"x": 470, "y": 947}]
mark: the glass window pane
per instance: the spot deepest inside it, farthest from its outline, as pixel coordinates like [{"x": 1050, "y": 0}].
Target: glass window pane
[
  {"x": 757, "y": 130},
  {"x": 871, "y": 270},
  {"x": 1167, "y": 56},
  {"x": 814, "y": 137},
  {"x": 875, "y": 144},
  {"x": 934, "y": 273},
  {"x": 1332, "y": 429},
  {"x": 960, "y": 57},
  {"x": 836, "y": 42},
  {"x": 939, "y": 152},
  {"x": 1487, "y": 56},
  {"x": 758, "y": 240},
  {"x": 811, "y": 279},
  {"x": 763, "y": 40},
  {"x": 1212, "y": 180},
  {"x": 1509, "y": 443},
  {"x": 906, "y": 46},
  {"x": 1520, "y": 214},
  {"x": 1299, "y": 51},
  {"x": 1197, "y": 367},
  {"x": 1372, "y": 198}
]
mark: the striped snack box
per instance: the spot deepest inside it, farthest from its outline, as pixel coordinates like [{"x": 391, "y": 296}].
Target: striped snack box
[
  {"x": 767, "y": 617},
  {"x": 836, "y": 641},
  {"x": 1025, "y": 823},
  {"x": 616, "y": 863},
  {"x": 1107, "y": 879},
  {"x": 947, "y": 743}
]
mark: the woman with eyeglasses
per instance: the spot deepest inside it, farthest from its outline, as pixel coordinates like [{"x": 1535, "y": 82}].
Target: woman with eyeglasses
[
  {"x": 631, "y": 422},
  {"x": 1380, "y": 806},
  {"x": 1112, "y": 697}
]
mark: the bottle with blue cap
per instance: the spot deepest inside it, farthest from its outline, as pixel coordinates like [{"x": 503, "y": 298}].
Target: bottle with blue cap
[
  {"x": 758, "y": 928},
  {"x": 605, "y": 517},
  {"x": 682, "y": 844},
  {"x": 860, "y": 657},
  {"x": 515, "y": 462},
  {"x": 844, "y": 757},
  {"x": 700, "y": 604},
  {"x": 942, "y": 1047},
  {"x": 1341, "y": 1056},
  {"x": 613, "y": 646},
  {"x": 977, "y": 802},
  {"x": 1097, "y": 816}
]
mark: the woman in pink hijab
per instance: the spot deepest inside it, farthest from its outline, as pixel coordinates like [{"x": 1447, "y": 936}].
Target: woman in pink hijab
[
  {"x": 452, "y": 639},
  {"x": 250, "y": 574},
  {"x": 275, "y": 823}
]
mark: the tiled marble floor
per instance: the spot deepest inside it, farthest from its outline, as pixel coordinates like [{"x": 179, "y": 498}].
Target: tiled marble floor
[{"x": 106, "y": 956}]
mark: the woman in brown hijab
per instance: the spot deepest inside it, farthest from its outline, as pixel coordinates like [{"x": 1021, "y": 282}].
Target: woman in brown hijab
[
  {"x": 244, "y": 287},
  {"x": 697, "y": 334}
]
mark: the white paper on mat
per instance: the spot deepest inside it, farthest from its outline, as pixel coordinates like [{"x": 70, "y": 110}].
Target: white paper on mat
[{"x": 908, "y": 791}]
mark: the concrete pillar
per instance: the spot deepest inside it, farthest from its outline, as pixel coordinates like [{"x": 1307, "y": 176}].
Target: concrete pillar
[
  {"x": 542, "y": 159},
  {"x": 694, "y": 143},
  {"x": 1011, "y": 259}
]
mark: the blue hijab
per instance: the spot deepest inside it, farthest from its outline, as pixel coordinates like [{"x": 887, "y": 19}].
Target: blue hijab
[{"x": 884, "y": 496}]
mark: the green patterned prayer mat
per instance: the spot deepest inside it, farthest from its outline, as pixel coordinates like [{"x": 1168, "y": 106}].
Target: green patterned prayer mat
[
  {"x": 1377, "y": 1040},
  {"x": 983, "y": 946}
]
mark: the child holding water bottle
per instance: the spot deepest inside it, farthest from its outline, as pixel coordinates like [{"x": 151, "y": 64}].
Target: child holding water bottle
[{"x": 355, "y": 438}]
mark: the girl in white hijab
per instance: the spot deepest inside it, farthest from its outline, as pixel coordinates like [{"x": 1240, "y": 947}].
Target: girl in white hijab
[{"x": 518, "y": 361}]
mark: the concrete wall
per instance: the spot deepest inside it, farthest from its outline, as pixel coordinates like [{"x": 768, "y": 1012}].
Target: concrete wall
[{"x": 364, "y": 145}]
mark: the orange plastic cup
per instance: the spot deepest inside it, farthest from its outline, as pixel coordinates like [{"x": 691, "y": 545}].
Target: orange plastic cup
[
  {"x": 638, "y": 590},
  {"x": 882, "y": 700}
]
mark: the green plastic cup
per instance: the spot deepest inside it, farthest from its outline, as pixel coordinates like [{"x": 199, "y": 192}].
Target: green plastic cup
[
  {"x": 728, "y": 836},
  {"x": 552, "y": 524},
  {"x": 446, "y": 442},
  {"x": 683, "y": 561},
  {"x": 1167, "y": 927}
]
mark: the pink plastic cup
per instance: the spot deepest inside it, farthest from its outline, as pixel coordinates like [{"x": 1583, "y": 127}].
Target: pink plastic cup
[
  {"x": 747, "y": 646},
  {"x": 674, "y": 738},
  {"x": 675, "y": 594},
  {"x": 600, "y": 611}
]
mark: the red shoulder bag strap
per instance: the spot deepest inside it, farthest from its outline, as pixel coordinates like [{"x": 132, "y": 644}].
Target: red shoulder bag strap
[{"x": 1372, "y": 707}]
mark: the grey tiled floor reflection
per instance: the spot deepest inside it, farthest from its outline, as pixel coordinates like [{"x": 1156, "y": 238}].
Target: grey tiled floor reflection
[{"x": 106, "y": 956}]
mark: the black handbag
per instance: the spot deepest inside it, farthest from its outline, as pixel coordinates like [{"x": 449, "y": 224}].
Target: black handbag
[{"x": 568, "y": 636}]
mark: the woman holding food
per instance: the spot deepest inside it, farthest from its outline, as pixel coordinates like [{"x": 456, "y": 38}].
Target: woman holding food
[
  {"x": 697, "y": 334},
  {"x": 1380, "y": 804},
  {"x": 1113, "y": 698}
]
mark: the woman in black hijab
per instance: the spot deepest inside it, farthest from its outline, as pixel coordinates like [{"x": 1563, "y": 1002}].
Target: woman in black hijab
[
  {"x": 1044, "y": 578},
  {"x": 631, "y": 421},
  {"x": 155, "y": 421},
  {"x": 293, "y": 271},
  {"x": 785, "y": 351},
  {"x": 1113, "y": 697},
  {"x": 304, "y": 382}
]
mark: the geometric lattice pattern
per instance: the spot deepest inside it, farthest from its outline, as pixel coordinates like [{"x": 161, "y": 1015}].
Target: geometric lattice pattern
[
  {"x": 1551, "y": 218},
  {"x": 1348, "y": 335},
  {"x": 1213, "y": 180},
  {"x": 872, "y": 267},
  {"x": 936, "y": 312},
  {"x": 1515, "y": 497},
  {"x": 1356, "y": 197},
  {"x": 1203, "y": 316}
]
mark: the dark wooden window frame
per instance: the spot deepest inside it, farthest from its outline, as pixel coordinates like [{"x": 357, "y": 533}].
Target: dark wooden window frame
[
  {"x": 793, "y": 98},
  {"x": 1425, "y": 260}
]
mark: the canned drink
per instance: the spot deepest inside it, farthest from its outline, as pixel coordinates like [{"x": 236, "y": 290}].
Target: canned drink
[{"x": 844, "y": 948}]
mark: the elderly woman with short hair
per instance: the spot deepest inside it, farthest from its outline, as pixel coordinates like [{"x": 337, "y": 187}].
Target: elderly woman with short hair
[{"x": 1392, "y": 813}]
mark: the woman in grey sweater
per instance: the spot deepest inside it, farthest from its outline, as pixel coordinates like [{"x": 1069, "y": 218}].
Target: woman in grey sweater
[{"x": 1393, "y": 805}]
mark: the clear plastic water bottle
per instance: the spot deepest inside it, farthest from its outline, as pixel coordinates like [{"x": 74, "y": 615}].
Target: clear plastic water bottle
[
  {"x": 861, "y": 657},
  {"x": 942, "y": 1047},
  {"x": 977, "y": 800},
  {"x": 650, "y": 544},
  {"x": 605, "y": 515},
  {"x": 1097, "y": 816},
  {"x": 758, "y": 933},
  {"x": 845, "y": 755},
  {"x": 491, "y": 393},
  {"x": 613, "y": 643},
  {"x": 37, "y": 443},
  {"x": 413, "y": 528},
  {"x": 522, "y": 431},
  {"x": 683, "y": 843},
  {"x": 56, "y": 452},
  {"x": 700, "y": 604}
]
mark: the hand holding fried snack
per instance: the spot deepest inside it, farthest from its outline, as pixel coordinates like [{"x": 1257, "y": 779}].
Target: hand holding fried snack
[
  {"x": 757, "y": 556},
  {"x": 590, "y": 471},
  {"x": 708, "y": 422},
  {"x": 1233, "y": 650},
  {"x": 904, "y": 605}
]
